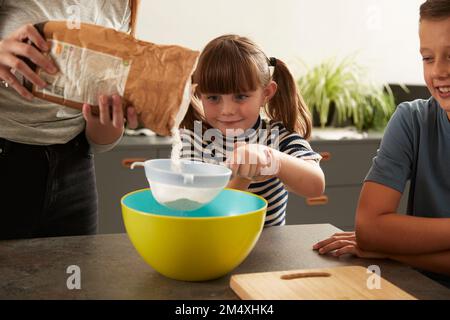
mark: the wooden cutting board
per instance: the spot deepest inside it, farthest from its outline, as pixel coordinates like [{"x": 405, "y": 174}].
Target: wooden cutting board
[{"x": 340, "y": 283}]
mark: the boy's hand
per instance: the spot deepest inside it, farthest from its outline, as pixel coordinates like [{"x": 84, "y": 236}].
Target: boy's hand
[
  {"x": 345, "y": 243},
  {"x": 253, "y": 161},
  {"x": 108, "y": 126}
]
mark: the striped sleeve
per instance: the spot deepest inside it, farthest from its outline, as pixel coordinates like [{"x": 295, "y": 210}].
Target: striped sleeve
[
  {"x": 294, "y": 145},
  {"x": 192, "y": 147}
]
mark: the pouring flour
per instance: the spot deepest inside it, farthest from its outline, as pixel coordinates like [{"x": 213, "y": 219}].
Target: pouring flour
[{"x": 181, "y": 184}]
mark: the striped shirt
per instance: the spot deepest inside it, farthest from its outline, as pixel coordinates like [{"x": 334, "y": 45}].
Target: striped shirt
[{"x": 213, "y": 147}]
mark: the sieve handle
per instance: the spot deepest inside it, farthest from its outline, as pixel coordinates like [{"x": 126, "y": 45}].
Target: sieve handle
[
  {"x": 188, "y": 178},
  {"x": 134, "y": 164}
]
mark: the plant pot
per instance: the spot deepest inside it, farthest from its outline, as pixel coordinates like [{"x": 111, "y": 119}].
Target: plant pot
[{"x": 332, "y": 119}]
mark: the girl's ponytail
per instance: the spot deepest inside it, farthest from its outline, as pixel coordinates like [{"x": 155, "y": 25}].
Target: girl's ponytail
[{"x": 287, "y": 105}]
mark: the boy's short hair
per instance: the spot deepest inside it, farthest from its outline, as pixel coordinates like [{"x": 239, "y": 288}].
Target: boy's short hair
[{"x": 435, "y": 10}]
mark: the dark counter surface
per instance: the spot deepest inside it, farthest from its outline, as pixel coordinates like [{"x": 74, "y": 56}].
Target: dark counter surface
[{"x": 112, "y": 269}]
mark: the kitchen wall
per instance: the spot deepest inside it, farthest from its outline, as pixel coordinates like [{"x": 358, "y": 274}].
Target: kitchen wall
[{"x": 383, "y": 33}]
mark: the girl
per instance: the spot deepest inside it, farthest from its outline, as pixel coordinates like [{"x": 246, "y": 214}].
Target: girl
[{"x": 235, "y": 81}]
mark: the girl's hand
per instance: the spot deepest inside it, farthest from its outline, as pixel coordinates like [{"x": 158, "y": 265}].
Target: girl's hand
[
  {"x": 108, "y": 126},
  {"x": 345, "y": 243},
  {"x": 253, "y": 161},
  {"x": 13, "y": 47}
]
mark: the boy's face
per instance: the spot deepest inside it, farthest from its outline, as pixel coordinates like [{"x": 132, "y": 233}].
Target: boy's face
[{"x": 435, "y": 50}]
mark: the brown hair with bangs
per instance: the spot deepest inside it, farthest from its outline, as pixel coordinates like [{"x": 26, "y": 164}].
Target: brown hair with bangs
[
  {"x": 233, "y": 64},
  {"x": 435, "y": 10}
]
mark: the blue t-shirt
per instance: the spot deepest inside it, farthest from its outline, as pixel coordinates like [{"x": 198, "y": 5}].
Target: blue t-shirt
[{"x": 416, "y": 147}]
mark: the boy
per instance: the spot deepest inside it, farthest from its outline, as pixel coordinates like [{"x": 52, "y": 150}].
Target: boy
[{"x": 415, "y": 147}]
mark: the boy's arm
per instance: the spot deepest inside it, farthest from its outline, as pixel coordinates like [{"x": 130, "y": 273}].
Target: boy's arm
[
  {"x": 345, "y": 243},
  {"x": 379, "y": 228},
  {"x": 438, "y": 262}
]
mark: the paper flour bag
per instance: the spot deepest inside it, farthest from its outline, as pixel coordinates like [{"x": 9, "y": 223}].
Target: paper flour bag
[{"x": 93, "y": 60}]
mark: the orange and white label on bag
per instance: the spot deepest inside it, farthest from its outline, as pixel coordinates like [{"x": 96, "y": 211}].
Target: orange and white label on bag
[{"x": 85, "y": 74}]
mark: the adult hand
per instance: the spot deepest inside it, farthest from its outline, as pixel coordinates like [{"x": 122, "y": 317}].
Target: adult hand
[
  {"x": 107, "y": 126},
  {"x": 13, "y": 47},
  {"x": 345, "y": 243}
]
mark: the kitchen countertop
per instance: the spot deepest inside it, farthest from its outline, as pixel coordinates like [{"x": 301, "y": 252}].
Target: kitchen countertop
[
  {"x": 337, "y": 135},
  {"x": 112, "y": 269}
]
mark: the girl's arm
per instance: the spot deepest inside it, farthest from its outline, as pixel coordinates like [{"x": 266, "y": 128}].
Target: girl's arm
[
  {"x": 379, "y": 228},
  {"x": 239, "y": 183},
  {"x": 303, "y": 177}
]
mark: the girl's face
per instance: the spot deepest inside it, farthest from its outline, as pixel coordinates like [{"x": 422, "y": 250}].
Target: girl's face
[
  {"x": 435, "y": 50},
  {"x": 235, "y": 111}
]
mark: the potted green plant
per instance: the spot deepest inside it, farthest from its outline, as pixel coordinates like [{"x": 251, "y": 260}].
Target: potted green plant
[{"x": 338, "y": 94}]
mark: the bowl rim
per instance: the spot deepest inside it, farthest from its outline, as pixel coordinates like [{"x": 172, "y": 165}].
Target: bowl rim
[
  {"x": 264, "y": 208},
  {"x": 225, "y": 174}
]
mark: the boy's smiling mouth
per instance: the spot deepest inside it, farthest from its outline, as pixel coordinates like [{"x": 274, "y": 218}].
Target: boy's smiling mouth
[{"x": 443, "y": 91}]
